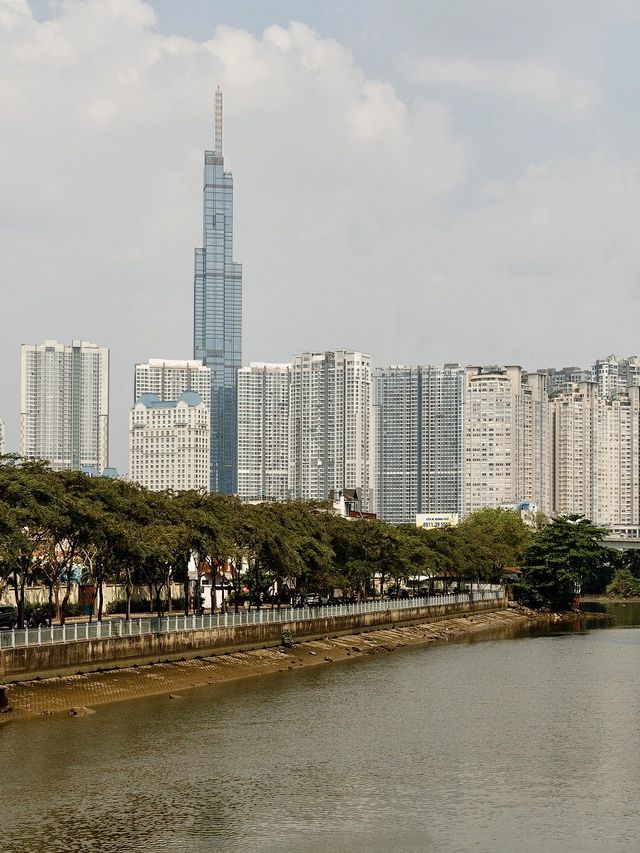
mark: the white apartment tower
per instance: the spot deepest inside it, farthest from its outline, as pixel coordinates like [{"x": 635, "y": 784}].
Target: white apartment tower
[
  {"x": 169, "y": 443},
  {"x": 330, "y": 425},
  {"x": 418, "y": 426},
  {"x": 64, "y": 404},
  {"x": 506, "y": 440},
  {"x": 596, "y": 455},
  {"x": 263, "y": 432},
  {"x": 169, "y": 378}
]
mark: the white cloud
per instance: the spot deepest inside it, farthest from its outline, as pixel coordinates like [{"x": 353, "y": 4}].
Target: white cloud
[
  {"x": 104, "y": 124},
  {"x": 357, "y": 220},
  {"x": 544, "y": 84}
]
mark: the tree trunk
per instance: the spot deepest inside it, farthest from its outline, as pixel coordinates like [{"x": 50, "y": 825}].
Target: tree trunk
[
  {"x": 158, "y": 590},
  {"x": 50, "y": 602},
  {"x": 65, "y": 600},
  {"x": 185, "y": 592},
  {"x": 128, "y": 592},
  {"x": 100, "y": 600},
  {"x": 18, "y": 591}
]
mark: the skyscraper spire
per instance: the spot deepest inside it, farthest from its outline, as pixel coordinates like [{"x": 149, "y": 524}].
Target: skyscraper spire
[
  {"x": 217, "y": 122},
  {"x": 217, "y": 333}
]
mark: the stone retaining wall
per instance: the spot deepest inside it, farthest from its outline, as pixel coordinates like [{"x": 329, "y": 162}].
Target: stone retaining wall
[{"x": 21, "y": 664}]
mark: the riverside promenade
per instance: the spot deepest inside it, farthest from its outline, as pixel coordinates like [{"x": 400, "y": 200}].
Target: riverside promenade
[{"x": 85, "y": 647}]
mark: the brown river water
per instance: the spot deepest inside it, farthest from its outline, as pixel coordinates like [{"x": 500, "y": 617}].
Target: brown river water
[{"x": 523, "y": 744}]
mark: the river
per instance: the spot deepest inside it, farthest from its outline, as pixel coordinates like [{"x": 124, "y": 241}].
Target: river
[{"x": 526, "y": 744}]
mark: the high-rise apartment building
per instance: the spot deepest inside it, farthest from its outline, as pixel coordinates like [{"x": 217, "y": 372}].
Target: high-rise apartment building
[
  {"x": 596, "y": 455},
  {"x": 169, "y": 443},
  {"x": 169, "y": 378},
  {"x": 64, "y": 404},
  {"x": 613, "y": 374},
  {"x": 418, "y": 428},
  {"x": 506, "y": 440},
  {"x": 330, "y": 425},
  {"x": 263, "y": 432},
  {"x": 218, "y": 311},
  {"x": 397, "y": 443},
  {"x": 561, "y": 380}
]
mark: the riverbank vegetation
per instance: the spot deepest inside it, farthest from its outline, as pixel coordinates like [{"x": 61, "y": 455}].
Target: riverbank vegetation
[{"x": 58, "y": 528}]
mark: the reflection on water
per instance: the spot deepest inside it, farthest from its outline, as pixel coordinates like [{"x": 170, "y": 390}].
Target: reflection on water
[
  {"x": 624, "y": 614},
  {"x": 528, "y": 745}
]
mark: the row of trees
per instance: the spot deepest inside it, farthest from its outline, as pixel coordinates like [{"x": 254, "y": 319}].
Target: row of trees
[{"x": 57, "y": 527}]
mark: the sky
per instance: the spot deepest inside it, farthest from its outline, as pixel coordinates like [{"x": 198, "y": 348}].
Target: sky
[{"x": 428, "y": 181}]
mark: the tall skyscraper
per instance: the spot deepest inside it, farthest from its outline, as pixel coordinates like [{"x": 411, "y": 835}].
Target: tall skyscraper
[
  {"x": 418, "y": 427},
  {"x": 218, "y": 311},
  {"x": 64, "y": 408},
  {"x": 330, "y": 425},
  {"x": 397, "y": 442},
  {"x": 169, "y": 378},
  {"x": 263, "y": 432}
]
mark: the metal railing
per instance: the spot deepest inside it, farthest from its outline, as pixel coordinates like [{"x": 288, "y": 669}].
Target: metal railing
[{"x": 77, "y": 631}]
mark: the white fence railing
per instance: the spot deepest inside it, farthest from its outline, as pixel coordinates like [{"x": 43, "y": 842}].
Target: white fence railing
[{"x": 77, "y": 631}]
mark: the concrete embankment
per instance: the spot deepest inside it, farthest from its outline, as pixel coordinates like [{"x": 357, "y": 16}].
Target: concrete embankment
[
  {"x": 62, "y": 694},
  {"x": 19, "y": 664}
]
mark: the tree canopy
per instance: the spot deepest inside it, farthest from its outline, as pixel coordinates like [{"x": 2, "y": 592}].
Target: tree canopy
[
  {"x": 58, "y": 528},
  {"x": 563, "y": 556}
]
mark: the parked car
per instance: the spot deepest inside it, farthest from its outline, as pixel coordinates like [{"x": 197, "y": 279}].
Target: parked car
[
  {"x": 316, "y": 599},
  {"x": 394, "y": 593},
  {"x": 8, "y": 616}
]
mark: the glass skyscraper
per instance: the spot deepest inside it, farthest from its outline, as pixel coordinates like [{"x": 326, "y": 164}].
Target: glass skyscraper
[{"x": 217, "y": 338}]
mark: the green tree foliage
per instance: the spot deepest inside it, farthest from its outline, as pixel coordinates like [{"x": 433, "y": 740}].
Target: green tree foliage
[
  {"x": 56, "y": 528},
  {"x": 561, "y": 558},
  {"x": 500, "y": 535},
  {"x": 624, "y": 585}
]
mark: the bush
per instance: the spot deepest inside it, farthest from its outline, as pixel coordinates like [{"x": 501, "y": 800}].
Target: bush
[
  {"x": 287, "y": 638},
  {"x": 142, "y": 605},
  {"x": 45, "y": 612},
  {"x": 138, "y": 605}
]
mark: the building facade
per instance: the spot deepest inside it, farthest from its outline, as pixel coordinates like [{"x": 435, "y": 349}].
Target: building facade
[
  {"x": 169, "y": 378},
  {"x": 1, "y": 437},
  {"x": 169, "y": 443},
  {"x": 218, "y": 311},
  {"x": 64, "y": 404},
  {"x": 263, "y": 432},
  {"x": 397, "y": 443},
  {"x": 506, "y": 441},
  {"x": 613, "y": 375},
  {"x": 561, "y": 380},
  {"x": 418, "y": 427},
  {"x": 596, "y": 455},
  {"x": 330, "y": 425}
]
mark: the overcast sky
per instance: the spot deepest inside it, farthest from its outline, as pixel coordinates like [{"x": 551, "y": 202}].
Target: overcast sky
[{"x": 424, "y": 180}]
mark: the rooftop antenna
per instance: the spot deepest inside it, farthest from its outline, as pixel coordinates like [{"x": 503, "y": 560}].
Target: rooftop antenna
[{"x": 217, "y": 122}]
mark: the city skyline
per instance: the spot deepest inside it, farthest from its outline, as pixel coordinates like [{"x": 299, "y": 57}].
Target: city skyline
[{"x": 325, "y": 118}]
